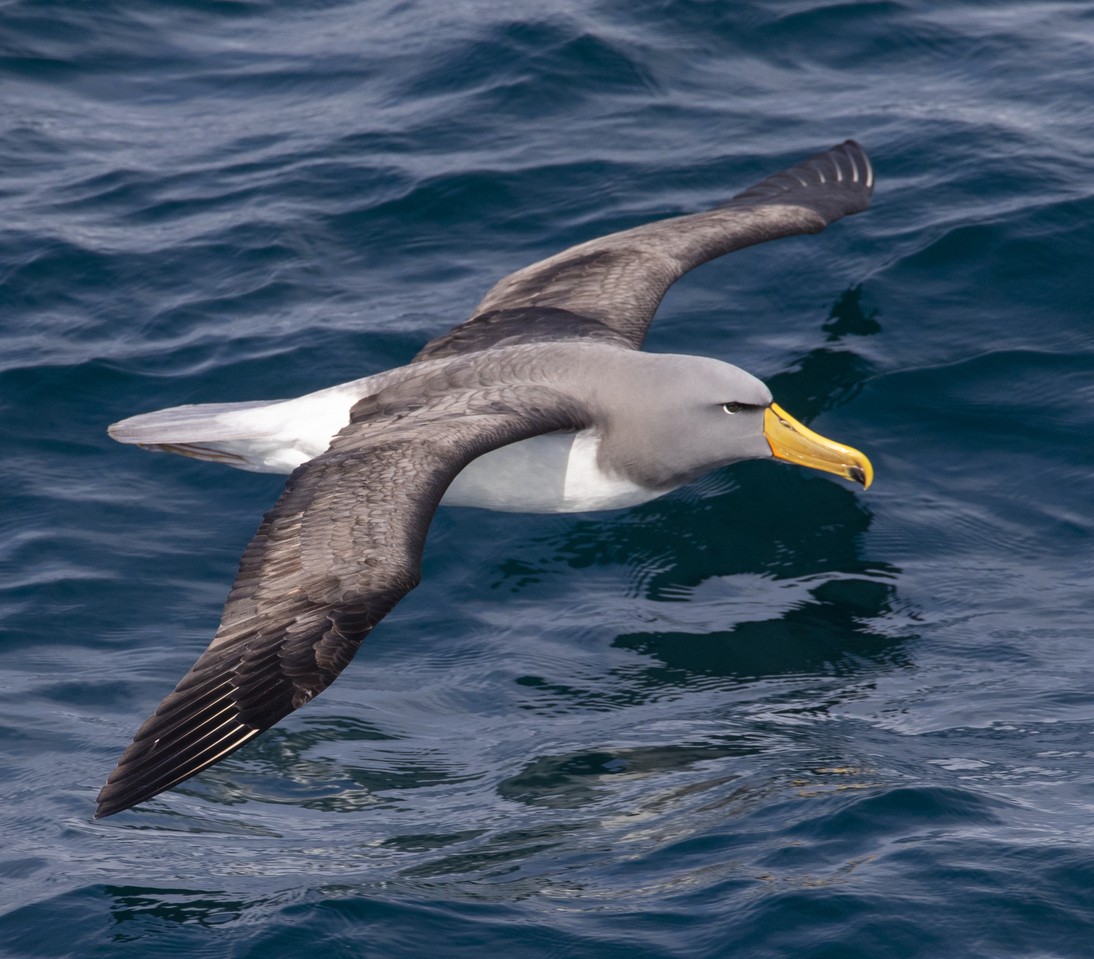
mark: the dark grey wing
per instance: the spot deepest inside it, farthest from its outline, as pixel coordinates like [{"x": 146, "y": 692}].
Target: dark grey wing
[
  {"x": 611, "y": 287},
  {"x": 342, "y": 546}
]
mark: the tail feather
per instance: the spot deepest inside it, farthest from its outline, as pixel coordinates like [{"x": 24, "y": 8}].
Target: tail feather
[
  {"x": 192, "y": 423},
  {"x": 264, "y": 436}
]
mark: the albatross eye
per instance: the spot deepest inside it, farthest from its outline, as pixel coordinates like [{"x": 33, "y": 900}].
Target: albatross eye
[{"x": 732, "y": 408}]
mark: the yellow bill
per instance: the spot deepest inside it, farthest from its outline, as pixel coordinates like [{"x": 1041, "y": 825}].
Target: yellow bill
[{"x": 795, "y": 443}]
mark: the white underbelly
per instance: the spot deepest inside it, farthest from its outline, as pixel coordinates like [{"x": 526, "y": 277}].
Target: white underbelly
[{"x": 555, "y": 473}]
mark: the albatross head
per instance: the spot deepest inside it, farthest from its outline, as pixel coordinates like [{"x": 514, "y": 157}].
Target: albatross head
[{"x": 687, "y": 415}]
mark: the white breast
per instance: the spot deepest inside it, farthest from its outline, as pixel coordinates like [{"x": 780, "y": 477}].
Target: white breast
[{"x": 556, "y": 473}]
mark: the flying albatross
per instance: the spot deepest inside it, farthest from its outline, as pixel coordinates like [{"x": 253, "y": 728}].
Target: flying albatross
[{"x": 542, "y": 401}]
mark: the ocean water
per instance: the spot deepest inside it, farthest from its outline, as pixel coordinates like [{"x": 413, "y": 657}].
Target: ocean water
[{"x": 767, "y": 715}]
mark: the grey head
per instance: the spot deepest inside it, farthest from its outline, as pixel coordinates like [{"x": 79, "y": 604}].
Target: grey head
[{"x": 666, "y": 419}]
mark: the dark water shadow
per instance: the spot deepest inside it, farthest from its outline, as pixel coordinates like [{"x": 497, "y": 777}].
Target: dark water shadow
[
  {"x": 828, "y": 635},
  {"x": 576, "y": 780},
  {"x": 830, "y": 376},
  {"x": 134, "y": 909}
]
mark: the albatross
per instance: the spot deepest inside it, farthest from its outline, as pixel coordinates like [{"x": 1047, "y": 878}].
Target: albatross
[{"x": 542, "y": 401}]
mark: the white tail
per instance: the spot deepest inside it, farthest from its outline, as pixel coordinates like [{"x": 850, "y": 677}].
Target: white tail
[{"x": 265, "y": 436}]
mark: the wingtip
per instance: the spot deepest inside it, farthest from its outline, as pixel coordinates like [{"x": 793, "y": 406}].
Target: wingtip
[
  {"x": 118, "y": 795},
  {"x": 109, "y": 803},
  {"x": 846, "y": 162},
  {"x": 835, "y": 182},
  {"x": 859, "y": 158},
  {"x": 194, "y": 727}
]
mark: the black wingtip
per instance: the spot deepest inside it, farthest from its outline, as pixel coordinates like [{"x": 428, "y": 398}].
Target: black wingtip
[
  {"x": 853, "y": 151},
  {"x": 111, "y": 801},
  {"x": 845, "y": 164},
  {"x": 151, "y": 766},
  {"x": 839, "y": 181}
]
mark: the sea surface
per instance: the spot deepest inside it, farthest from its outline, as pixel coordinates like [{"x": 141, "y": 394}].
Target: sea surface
[{"x": 767, "y": 715}]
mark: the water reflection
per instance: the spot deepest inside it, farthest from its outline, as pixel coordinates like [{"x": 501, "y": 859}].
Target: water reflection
[
  {"x": 576, "y": 780},
  {"x": 829, "y": 635},
  {"x": 771, "y": 520},
  {"x": 829, "y": 377},
  {"x": 138, "y": 909}
]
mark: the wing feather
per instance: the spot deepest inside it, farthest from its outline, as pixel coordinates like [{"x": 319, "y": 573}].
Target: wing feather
[
  {"x": 611, "y": 287},
  {"x": 342, "y": 546}
]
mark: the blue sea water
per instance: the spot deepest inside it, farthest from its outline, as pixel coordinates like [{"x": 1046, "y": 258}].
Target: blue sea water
[{"x": 766, "y": 715}]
